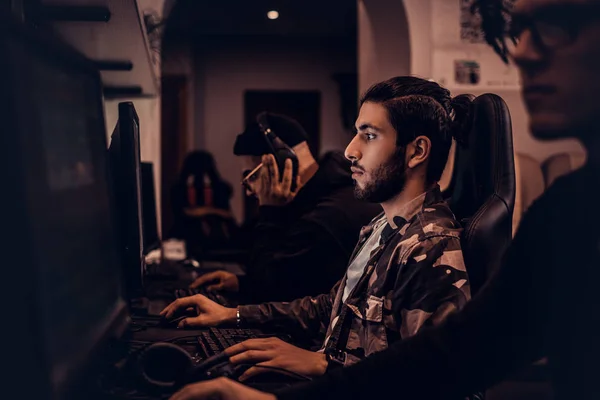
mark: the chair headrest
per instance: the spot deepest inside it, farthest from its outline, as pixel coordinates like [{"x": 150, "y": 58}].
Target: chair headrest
[
  {"x": 483, "y": 188},
  {"x": 484, "y": 164}
]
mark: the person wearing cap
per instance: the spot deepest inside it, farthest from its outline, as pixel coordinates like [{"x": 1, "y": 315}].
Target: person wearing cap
[{"x": 302, "y": 240}]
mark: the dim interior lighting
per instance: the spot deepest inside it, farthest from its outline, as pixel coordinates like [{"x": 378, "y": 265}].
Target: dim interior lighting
[{"x": 273, "y": 14}]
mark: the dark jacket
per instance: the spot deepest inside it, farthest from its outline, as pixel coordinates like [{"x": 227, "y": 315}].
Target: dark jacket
[
  {"x": 542, "y": 302},
  {"x": 414, "y": 278},
  {"x": 303, "y": 248}
]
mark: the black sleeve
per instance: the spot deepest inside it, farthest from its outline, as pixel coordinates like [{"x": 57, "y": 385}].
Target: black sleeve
[
  {"x": 289, "y": 260},
  {"x": 308, "y": 316},
  {"x": 500, "y": 329}
]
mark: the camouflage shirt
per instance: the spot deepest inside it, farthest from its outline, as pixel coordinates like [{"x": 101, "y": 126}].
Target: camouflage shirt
[{"x": 415, "y": 277}]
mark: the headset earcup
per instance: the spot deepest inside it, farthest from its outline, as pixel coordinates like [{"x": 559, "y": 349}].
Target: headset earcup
[{"x": 164, "y": 365}]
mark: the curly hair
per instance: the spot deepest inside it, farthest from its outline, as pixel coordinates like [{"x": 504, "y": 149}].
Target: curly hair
[{"x": 495, "y": 18}]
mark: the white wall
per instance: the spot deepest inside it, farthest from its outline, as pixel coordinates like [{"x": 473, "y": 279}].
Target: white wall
[
  {"x": 383, "y": 42},
  {"x": 431, "y": 45},
  {"x": 225, "y": 71},
  {"x": 148, "y": 111}
]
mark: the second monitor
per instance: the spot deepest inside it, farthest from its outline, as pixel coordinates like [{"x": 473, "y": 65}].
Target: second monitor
[{"x": 125, "y": 171}]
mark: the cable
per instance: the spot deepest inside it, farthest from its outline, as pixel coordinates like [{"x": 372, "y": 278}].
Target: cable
[
  {"x": 176, "y": 338},
  {"x": 169, "y": 340}
]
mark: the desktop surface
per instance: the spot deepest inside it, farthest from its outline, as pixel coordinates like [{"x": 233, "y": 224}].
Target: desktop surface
[{"x": 123, "y": 380}]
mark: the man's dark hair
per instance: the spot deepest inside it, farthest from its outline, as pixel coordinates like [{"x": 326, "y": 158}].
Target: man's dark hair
[
  {"x": 252, "y": 141},
  {"x": 440, "y": 119}
]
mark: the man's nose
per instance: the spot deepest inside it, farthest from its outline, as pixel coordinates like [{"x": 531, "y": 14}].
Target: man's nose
[{"x": 352, "y": 152}]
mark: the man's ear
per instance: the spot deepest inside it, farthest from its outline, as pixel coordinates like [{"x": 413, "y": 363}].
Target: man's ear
[{"x": 418, "y": 151}]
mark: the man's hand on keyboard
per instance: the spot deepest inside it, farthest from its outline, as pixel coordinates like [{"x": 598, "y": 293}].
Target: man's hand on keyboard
[
  {"x": 222, "y": 389},
  {"x": 221, "y": 281},
  {"x": 209, "y": 312},
  {"x": 274, "y": 352}
]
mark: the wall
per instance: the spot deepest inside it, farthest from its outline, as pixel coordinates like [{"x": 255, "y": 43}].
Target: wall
[
  {"x": 224, "y": 70},
  {"x": 383, "y": 42},
  {"x": 432, "y": 45},
  {"x": 148, "y": 110},
  {"x": 178, "y": 60}
]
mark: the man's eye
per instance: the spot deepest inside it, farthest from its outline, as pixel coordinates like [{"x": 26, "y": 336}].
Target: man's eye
[{"x": 370, "y": 136}]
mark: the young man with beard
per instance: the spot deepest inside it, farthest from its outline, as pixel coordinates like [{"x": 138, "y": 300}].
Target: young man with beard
[
  {"x": 298, "y": 234},
  {"x": 543, "y": 301},
  {"x": 407, "y": 271}
]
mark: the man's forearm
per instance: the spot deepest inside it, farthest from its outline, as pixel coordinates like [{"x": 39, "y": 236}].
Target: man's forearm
[{"x": 309, "y": 314}]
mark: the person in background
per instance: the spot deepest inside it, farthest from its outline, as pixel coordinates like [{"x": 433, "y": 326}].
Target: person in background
[
  {"x": 301, "y": 242},
  {"x": 201, "y": 207},
  {"x": 543, "y": 300}
]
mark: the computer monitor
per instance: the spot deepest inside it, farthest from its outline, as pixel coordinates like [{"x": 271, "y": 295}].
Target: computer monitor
[
  {"x": 125, "y": 169},
  {"x": 61, "y": 270},
  {"x": 151, "y": 238}
]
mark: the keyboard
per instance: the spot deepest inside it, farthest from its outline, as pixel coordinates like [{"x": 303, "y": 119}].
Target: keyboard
[
  {"x": 216, "y": 297},
  {"x": 214, "y": 340}
]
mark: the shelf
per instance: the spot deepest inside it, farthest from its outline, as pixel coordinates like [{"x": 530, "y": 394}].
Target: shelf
[{"x": 117, "y": 42}]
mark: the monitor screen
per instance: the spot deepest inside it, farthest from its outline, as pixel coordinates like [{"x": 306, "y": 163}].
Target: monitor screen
[
  {"x": 125, "y": 167},
  {"x": 151, "y": 238},
  {"x": 138, "y": 184},
  {"x": 60, "y": 145}
]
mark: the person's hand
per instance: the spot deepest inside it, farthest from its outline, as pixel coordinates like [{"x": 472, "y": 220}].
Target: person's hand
[
  {"x": 220, "y": 389},
  {"x": 209, "y": 312},
  {"x": 271, "y": 191},
  {"x": 221, "y": 281},
  {"x": 274, "y": 352}
]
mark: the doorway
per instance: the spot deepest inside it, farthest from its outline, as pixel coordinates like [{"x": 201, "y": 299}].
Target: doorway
[{"x": 173, "y": 140}]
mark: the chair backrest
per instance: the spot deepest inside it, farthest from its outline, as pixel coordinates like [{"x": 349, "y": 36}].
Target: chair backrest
[
  {"x": 448, "y": 179},
  {"x": 483, "y": 187},
  {"x": 561, "y": 164},
  {"x": 530, "y": 185}
]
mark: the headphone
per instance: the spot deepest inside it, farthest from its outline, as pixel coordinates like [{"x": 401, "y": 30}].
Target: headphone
[
  {"x": 164, "y": 366},
  {"x": 279, "y": 149}
]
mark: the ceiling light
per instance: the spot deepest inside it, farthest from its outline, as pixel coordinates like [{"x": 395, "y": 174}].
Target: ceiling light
[{"x": 273, "y": 14}]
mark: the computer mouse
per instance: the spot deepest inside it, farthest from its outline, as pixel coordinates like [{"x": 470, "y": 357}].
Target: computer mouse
[
  {"x": 164, "y": 365},
  {"x": 171, "y": 323}
]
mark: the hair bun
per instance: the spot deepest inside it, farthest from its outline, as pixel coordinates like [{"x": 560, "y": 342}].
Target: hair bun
[{"x": 460, "y": 115}]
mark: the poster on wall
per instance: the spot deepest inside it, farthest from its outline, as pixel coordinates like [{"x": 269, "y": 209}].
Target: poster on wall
[
  {"x": 466, "y": 72},
  {"x": 473, "y": 69},
  {"x": 470, "y": 24}
]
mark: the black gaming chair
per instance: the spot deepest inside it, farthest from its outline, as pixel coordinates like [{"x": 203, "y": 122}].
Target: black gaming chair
[{"x": 482, "y": 189}]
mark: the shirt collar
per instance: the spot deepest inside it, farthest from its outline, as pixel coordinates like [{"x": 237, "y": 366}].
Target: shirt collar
[{"x": 409, "y": 210}]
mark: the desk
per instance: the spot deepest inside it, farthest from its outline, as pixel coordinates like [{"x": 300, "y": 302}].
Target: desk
[{"x": 122, "y": 379}]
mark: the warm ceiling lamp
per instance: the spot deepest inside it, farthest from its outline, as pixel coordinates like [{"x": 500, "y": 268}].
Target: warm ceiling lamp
[{"x": 273, "y": 14}]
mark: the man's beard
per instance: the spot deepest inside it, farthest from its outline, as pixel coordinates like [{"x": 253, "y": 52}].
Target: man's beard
[{"x": 387, "y": 180}]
